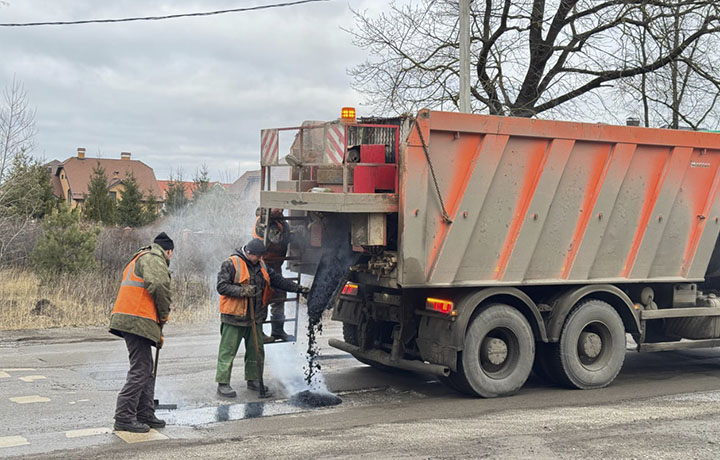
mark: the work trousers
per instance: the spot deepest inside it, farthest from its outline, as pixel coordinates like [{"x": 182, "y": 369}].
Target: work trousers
[
  {"x": 277, "y": 313},
  {"x": 136, "y": 397},
  {"x": 230, "y": 338},
  {"x": 277, "y": 309}
]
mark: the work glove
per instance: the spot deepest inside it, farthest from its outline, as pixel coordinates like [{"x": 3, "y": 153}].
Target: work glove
[
  {"x": 303, "y": 291},
  {"x": 248, "y": 290}
]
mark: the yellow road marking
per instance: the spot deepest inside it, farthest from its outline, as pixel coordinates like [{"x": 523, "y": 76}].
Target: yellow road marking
[
  {"x": 131, "y": 438},
  {"x": 13, "y": 441},
  {"x": 29, "y": 399},
  {"x": 87, "y": 432},
  {"x": 32, "y": 378},
  {"x": 4, "y": 375}
]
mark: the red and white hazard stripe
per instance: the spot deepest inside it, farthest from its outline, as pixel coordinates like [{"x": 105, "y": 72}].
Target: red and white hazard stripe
[
  {"x": 268, "y": 147},
  {"x": 334, "y": 144}
]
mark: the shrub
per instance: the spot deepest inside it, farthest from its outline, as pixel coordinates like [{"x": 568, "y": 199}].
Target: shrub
[{"x": 65, "y": 246}]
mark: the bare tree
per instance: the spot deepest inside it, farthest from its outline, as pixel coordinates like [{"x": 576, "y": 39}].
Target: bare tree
[
  {"x": 25, "y": 190},
  {"x": 17, "y": 125},
  {"x": 529, "y": 56},
  {"x": 683, "y": 93}
]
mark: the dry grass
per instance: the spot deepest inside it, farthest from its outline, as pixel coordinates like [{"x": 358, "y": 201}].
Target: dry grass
[{"x": 29, "y": 302}]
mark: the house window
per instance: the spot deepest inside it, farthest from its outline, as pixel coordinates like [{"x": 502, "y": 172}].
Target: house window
[{"x": 113, "y": 196}]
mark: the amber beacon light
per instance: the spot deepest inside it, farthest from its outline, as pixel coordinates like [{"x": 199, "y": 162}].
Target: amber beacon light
[{"x": 347, "y": 114}]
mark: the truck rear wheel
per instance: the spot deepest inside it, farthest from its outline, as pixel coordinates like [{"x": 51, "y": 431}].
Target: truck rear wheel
[
  {"x": 497, "y": 354},
  {"x": 591, "y": 350}
]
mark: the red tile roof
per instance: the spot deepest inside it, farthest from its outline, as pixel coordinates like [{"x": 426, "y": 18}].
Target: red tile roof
[{"x": 79, "y": 170}]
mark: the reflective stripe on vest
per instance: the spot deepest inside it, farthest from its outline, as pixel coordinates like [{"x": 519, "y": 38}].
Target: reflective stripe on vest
[
  {"x": 133, "y": 299},
  {"x": 237, "y": 306}
]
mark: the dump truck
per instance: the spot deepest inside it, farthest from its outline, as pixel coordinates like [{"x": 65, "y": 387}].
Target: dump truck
[{"x": 480, "y": 248}]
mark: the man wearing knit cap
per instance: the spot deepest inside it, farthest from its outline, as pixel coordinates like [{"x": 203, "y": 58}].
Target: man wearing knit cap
[
  {"x": 141, "y": 309},
  {"x": 244, "y": 284}
]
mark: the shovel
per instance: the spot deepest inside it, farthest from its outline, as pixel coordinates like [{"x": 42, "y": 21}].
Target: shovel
[
  {"x": 155, "y": 401},
  {"x": 263, "y": 394}
]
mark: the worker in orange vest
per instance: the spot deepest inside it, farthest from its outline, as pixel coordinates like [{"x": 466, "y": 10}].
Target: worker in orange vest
[
  {"x": 141, "y": 309},
  {"x": 245, "y": 286},
  {"x": 278, "y": 238}
]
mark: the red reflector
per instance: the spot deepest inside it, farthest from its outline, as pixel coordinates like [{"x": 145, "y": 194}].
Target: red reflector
[
  {"x": 439, "y": 305},
  {"x": 350, "y": 289}
]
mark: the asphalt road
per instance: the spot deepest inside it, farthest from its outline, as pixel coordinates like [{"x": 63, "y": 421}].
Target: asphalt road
[{"x": 58, "y": 389}]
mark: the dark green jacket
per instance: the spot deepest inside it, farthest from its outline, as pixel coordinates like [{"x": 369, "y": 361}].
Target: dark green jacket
[{"x": 153, "y": 268}]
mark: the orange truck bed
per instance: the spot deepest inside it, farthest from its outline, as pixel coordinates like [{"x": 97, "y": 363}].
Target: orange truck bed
[{"x": 544, "y": 202}]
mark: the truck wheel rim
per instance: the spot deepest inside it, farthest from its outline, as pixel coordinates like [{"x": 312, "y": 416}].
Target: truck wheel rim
[
  {"x": 499, "y": 353},
  {"x": 593, "y": 345}
]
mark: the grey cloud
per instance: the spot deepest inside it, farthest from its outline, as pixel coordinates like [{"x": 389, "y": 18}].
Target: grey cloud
[{"x": 178, "y": 93}]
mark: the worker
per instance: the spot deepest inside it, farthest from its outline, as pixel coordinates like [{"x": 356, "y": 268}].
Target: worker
[
  {"x": 244, "y": 284},
  {"x": 141, "y": 309},
  {"x": 278, "y": 238}
]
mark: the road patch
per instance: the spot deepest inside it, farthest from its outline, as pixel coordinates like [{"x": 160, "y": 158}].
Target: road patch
[
  {"x": 131, "y": 438},
  {"x": 32, "y": 378},
  {"x": 29, "y": 399},
  {"x": 13, "y": 441},
  {"x": 87, "y": 432}
]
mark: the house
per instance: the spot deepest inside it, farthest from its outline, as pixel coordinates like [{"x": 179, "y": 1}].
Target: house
[
  {"x": 247, "y": 186},
  {"x": 71, "y": 178}
]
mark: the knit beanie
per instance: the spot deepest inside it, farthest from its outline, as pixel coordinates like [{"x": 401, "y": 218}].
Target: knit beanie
[
  {"x": 255, "y": 247},
  {"x": 164, "y": 242}
]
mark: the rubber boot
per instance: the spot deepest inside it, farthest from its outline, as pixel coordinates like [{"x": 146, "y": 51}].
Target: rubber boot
[
  {"x": 133, "y": 427},
  {"x": 268, "y": 338},
  {"x": 278, "y": 331},
  {"x": 225, "y": 390},
  {"x": 254, "y": 385},
  {"x": 152, "y": 422}
]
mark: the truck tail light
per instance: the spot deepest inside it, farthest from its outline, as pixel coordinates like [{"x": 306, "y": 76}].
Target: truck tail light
[
  {"x": 441, "y": 306},
  {"x": 350, "y": 289}
]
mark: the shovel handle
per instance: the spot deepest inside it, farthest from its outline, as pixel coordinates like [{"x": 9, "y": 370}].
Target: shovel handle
[{"x": 157, "y": 356}]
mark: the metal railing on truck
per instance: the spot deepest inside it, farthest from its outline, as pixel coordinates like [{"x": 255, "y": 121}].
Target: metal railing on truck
[{"x": 337, "y": 138}]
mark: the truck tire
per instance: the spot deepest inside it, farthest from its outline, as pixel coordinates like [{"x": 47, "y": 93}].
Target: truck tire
[
  {"x": 591, "y": 350},
  {"x": 498, "y": 353},
  {"x": 350, "y": 335}
]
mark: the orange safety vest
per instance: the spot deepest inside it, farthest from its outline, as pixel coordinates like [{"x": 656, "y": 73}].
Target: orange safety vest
[
  {"x": 133, "y": 299},
  {"x": 274, "y": 254},
  {"x": 237, "y": 306},
  {"x": 262, "y": 237}
]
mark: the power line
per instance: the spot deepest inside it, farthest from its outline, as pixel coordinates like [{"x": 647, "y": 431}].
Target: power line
[{"x": 160, "y": 18}]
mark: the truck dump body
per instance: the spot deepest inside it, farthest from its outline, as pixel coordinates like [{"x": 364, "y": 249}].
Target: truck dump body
[
  {"x": 536, "y": 202},
  {"x": 480, "y": 248}
]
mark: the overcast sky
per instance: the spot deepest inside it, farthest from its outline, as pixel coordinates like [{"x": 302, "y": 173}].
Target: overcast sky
[{"x": 183, "y": 92}]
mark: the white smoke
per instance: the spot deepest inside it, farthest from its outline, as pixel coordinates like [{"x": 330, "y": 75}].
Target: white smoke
[{"x": 286, "y": 362}]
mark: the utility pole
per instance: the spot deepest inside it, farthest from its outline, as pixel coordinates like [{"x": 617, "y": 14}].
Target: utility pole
[{"x": 464, "y": 35}]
